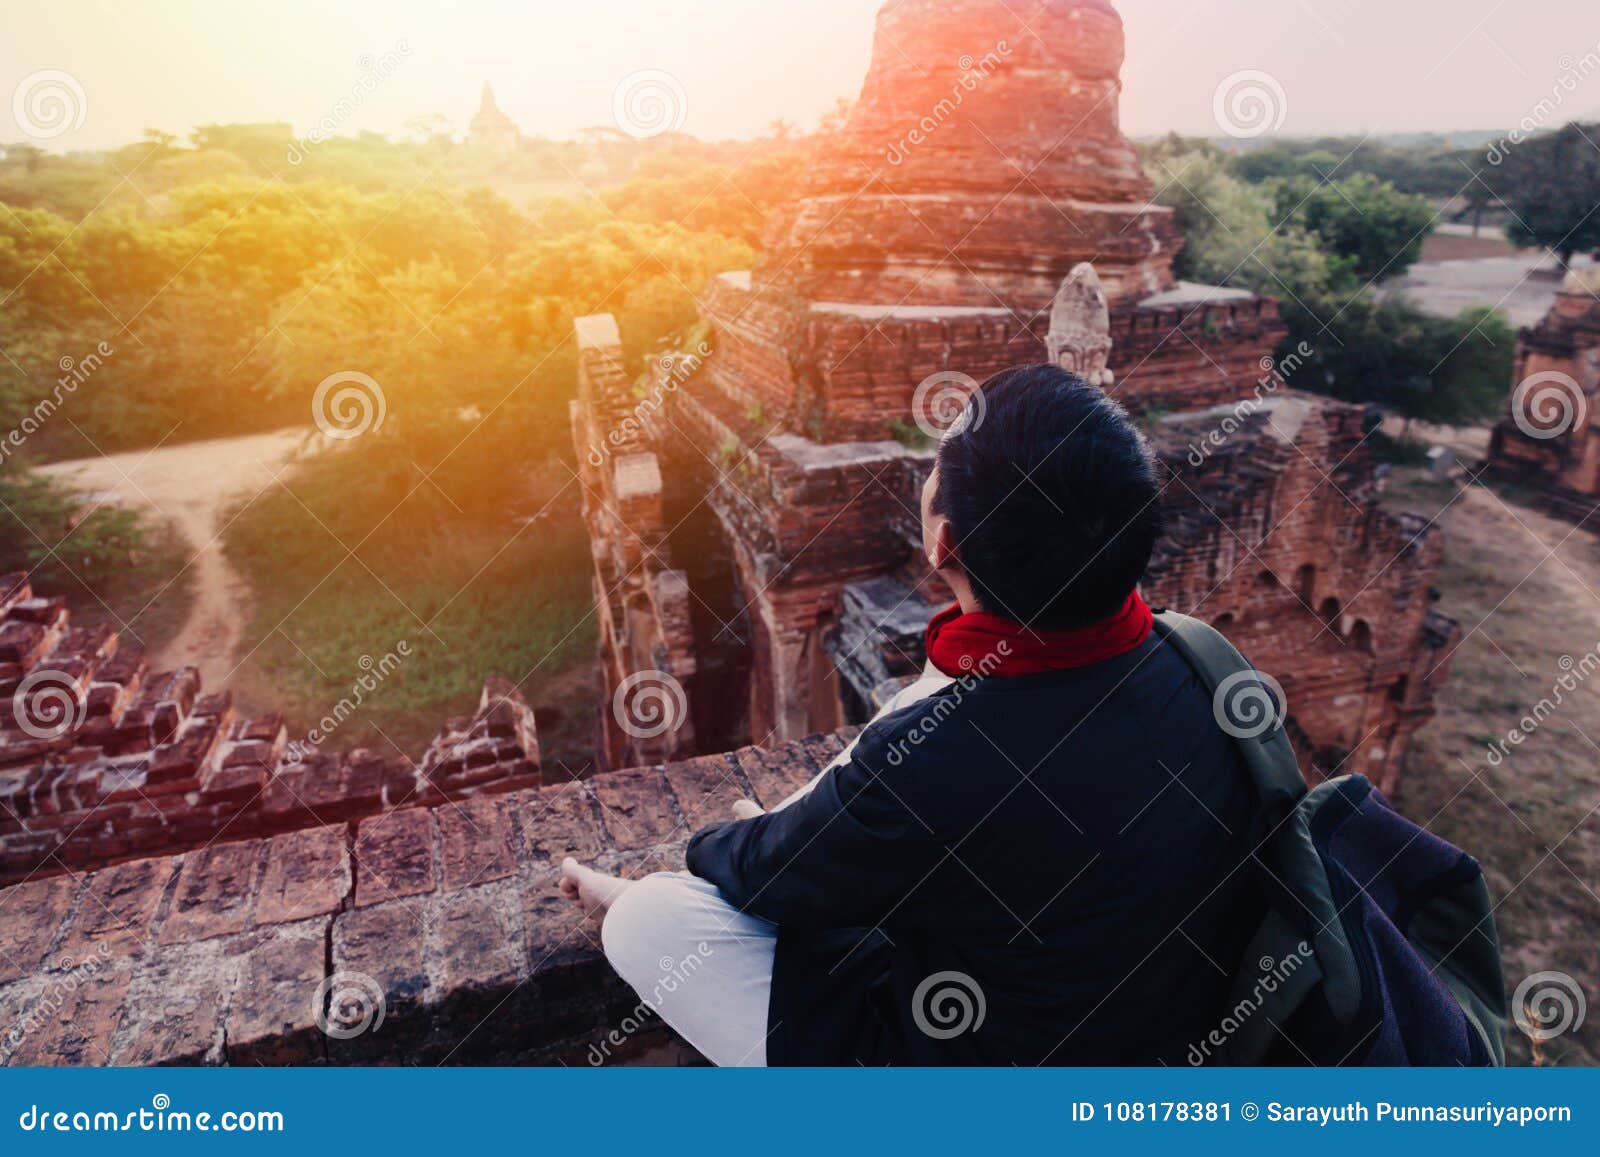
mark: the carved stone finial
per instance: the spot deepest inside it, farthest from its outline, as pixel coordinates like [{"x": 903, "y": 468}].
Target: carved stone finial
[{"x": 1080, "y": 327}]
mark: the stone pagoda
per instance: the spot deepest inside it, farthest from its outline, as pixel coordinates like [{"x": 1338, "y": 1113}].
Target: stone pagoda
[
  {"x": 980, "y": 208},
  {"x": 490, "y": 131}
]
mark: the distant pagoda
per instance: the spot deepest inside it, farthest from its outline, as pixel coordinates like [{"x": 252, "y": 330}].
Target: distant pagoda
[{"x": 491, "y": 131}]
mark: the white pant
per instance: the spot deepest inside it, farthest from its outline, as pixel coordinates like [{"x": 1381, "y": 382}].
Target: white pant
[{"x": 704, "y": 966}]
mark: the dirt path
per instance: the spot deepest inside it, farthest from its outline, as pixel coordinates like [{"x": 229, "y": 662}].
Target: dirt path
[
  {"x": 191, "y": 485},
  {"x": 1510, "y": 769},
  {"x": 1522, "y": 285}
]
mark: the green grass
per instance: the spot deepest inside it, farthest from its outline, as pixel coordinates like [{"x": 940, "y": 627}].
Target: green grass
[
  {"x": 146, "y": 600},
  {"x": 469, "y": 586},
  {"x": 1401, "y": 453}
]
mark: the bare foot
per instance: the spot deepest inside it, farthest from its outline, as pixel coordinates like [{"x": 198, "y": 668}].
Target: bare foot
[
  {"x": 745, "y": 810},
  {"x": 590, "y": 890}
]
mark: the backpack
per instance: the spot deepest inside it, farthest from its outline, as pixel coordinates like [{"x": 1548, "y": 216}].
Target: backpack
[{"x": 1379, "y": 943}]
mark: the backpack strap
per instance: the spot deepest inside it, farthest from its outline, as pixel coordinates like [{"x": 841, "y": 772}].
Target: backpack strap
[
  {"x": 1247, "y": 707},
  {"x": 1251, "y": 710}
]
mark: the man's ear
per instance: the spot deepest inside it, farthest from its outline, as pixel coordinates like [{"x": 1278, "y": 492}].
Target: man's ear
[{"x": 944, "y": 547}]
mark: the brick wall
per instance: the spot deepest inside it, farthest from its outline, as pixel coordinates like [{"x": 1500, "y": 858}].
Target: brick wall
[
  {"x": 103, "y": 760},
  {"x": 451, "y": 913},
  {"x": 836, "y": 373}
]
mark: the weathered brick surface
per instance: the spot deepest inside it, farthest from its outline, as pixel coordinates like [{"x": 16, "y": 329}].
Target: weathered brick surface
[
  {"x": 215, "y": 887},
  {"x": 1275, "y": 535},
  {"x": 480, "y": 948},
  {"x": 32, "y": 915},
  {"x": 307, "y": 874},
  {"x": 940, "y": 221},
  {"x": 638, "y": 594},
  {"x": 70, "y": 1018},
  {"x": 635, "y": 809},
  {"x": 394, "y": 856},
  {"x": 272, "y": 1019},
  {"x": 561, "y": 819},
  {"x": 774, "y": 775},
  {"x": 175, "y": 1005},
  {"x": 477, "y": 842},
  {"x": 118, "y": 907},
  {"x": 146, "y": 765},
  {"x": 389, "y": 945},
  {"x": 706, "y": 790},
  {"x": 218, "y": 956}
]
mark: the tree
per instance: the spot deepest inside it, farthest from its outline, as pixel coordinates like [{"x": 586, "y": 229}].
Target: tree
[
  {"x": 160, "y": 143},
  {"x": 1384, "y": 350},
  {"x": 431, "y": 129},
  {"x": 1232, "y": 236},
  {"x": 1551, "y": 183},
  {"x": 1366, "y": 347},
  {"x": 1477, "y": 195},
  {"x": 29, "y": 155},
  {"x": 1370, "y": 222}
]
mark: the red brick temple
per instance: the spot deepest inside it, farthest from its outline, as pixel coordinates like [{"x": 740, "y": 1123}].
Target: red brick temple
[
  {"x": 757, "y": 538},
  {"x": 1549, "y": 438}
]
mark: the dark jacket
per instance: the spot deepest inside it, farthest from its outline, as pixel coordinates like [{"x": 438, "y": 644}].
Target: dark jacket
[{"x": 1042, "y": 869}]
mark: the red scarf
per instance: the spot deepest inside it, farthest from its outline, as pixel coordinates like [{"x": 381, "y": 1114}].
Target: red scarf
[{"x": 985, "y": 644}]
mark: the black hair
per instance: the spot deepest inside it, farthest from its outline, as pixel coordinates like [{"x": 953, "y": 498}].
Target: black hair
[{"x": 1051, "y": 492}]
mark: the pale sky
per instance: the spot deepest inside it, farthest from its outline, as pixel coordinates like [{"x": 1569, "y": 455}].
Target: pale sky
[{"x": 1344, "y": 65}]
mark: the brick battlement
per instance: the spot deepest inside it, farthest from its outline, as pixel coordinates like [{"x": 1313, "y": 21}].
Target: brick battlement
[
  {"x": 103, "y": 760},
  {"x": 227, "y": 954},
  {"x": 839, "y": 372}
]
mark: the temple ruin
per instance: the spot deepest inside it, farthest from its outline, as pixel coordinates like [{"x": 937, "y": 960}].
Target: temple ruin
[
  {"x": 756, "y": 533},
  {"x": 1548, "y": 437},
  {"x": 491, "y": 132}
]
